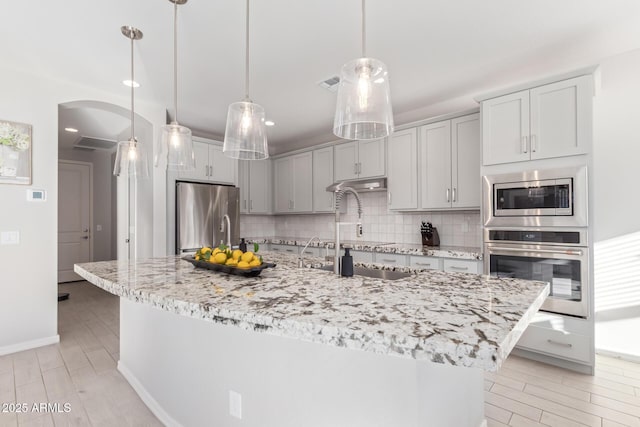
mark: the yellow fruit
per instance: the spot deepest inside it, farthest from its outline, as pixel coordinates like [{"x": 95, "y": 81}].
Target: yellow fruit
[
  {"x": 220, "y": 258},
  {"x": 232, "y": 262},
  {"x": 243, "y": 264},
  {"x": 203, "y": 250},
  {"x": 197, "y": 257},
  {"x": 255, "y": 263},
  {"x": 237, "y": 254},
  {"x": 247, "y": 257}
]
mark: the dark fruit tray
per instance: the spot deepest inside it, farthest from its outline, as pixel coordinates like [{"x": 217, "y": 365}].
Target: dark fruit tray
[{"x": 245, "y": 272}]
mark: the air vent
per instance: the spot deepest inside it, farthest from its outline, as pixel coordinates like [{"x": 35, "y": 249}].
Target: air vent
[
  {"x": 88, "y": 143},
  {"x": 331, "y": 84}
]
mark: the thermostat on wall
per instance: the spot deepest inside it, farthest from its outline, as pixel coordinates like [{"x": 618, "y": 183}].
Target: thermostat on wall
[{"x": 36, "y": 195}]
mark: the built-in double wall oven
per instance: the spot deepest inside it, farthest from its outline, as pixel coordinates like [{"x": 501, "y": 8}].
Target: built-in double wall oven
[{"x": 535, "y": 228}]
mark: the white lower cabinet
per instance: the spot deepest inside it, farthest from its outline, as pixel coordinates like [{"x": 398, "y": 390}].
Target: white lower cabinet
[
  {"x": 452, "y": 265},
  {"x": 284, "y": 248},
  {"x": 361, "y": 256},
  {"x": 391, "y": 259},
  {"x": 425, "y": 262}
]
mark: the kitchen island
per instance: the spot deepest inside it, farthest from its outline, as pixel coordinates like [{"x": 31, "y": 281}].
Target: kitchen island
[{"x": 304, "y": 347}]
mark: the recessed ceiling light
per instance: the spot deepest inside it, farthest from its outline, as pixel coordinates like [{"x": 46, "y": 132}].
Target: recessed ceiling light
[
  {"x": 131, "y": 83},
  {"x": 73, "y": 130},
  {"x": 269, "y": 123}
]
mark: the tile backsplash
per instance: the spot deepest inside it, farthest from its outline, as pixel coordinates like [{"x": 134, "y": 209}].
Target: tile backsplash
[{"x": 379, "y": 224}]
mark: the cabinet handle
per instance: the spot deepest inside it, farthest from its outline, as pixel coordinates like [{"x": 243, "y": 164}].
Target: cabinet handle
[
  {"x": 524, "y": 145},
  {"x": 455, "y": 267},
  {"x": 359, "y": 168},
  {"x": 534, "y": 145},
  {"x": 388, "y": 260},
  {"x": 454, "y": 194},
  {"x": 448, "y": 199},
  {"x": 206, "y": 170},
  {"x": 355, "y": 169},
  {"x": 426, "y": 264},
  {"x": 251, "y": 204},
  {"x": 289, "y": 250},
  {"x": 389, "y": 197},
  {"x": 564, "y": 344}
]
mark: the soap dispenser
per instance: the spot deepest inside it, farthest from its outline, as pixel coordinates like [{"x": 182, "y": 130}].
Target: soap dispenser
[
  {"x": 243, "y": 245},
  {"x": 347, "y": 263}
]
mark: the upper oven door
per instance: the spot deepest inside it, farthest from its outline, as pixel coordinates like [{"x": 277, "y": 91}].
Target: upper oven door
[{"x": 538, "y": 198}]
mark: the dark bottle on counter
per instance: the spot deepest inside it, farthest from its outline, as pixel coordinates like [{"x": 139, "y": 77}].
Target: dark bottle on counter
[
  {"x": 243, "y": 245},
  {"x": 347, "y": 263}
]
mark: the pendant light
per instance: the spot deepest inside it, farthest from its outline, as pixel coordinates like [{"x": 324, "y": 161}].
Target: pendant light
[
  {"x": 363, "y": 109},
  {"x": 131, "y": 157},
  {"x": 245, "y": 137},
  {"x": 176, "y": 139}
]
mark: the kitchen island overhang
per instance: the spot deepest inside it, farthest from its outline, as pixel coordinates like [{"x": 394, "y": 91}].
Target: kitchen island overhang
[{"x": 464, "y": 321}]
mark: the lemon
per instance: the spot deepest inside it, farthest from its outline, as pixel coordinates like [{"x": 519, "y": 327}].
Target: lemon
[
  {"x": 205, "y": 249},
  {"x": 236, "y": 254},
  {"x": 247, "y": 257},
  {"x": 243, "y": 264},
  {"x": 220, "y": 258},
  {"x": 255, "y": 263},
  {"x": 216, "y": 251},
  {"x": 232, "y": 262},
  {"x": 197, "y": 257}
]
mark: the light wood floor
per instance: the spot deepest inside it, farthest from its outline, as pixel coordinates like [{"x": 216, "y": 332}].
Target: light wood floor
[{"x": 81, "y": 370}]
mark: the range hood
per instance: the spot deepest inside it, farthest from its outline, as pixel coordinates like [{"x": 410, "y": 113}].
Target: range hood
[{"x": 367, "y": 185}]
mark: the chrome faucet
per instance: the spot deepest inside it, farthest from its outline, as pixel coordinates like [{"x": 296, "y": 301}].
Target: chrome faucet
[
  {"x": 300, "y": 260},
  {"x": 228, "y": 229},
  {"x": 340, "y": 192}
]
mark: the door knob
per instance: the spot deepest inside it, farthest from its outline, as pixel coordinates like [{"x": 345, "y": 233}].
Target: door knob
[
  {"x": 85, "y": 237},
  {"x": 86, "y": 230}
]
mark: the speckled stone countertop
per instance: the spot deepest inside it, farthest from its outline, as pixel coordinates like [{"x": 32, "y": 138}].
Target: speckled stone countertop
[
  {"x": 459, "y": 252},
  {"x": 457, "y": 319}
]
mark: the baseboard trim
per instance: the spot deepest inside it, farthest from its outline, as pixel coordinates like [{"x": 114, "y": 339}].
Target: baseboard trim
[
  {"x": 618, "y": 355},
  {"x": 146, "y": 397},
  {"x": 28, "y": 345}
]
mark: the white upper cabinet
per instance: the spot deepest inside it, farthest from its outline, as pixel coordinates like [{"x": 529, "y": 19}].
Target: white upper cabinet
[
  {"x": 465, "y": 162},
  {"x": 293, "y": 183},
  {"x": 322, "y": 178},
  {"x": 450, "y": 164},
  {"x": 435, "y": 165},
  {"x": 402, "y": 177},
  {"x": 359, "y": 159},
  {"x": 254, "y": 179},
  {"x": 211, "y": 164},
  {"x": 553, "y": 120}
]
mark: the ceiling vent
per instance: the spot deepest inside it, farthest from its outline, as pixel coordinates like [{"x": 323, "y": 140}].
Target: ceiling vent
[
  {"x": 330, "y": 84},
  {"x": 88, "y": 143}
]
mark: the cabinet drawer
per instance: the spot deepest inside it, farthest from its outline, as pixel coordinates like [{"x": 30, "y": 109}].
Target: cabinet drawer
[
  {"x": 285, "y": 248},
  {"x": 425, "y": 262},
  {"x": 556, "y": 343},
  {"x": 460, "y": 266},
  {"x": 391, "y": 259},
  {"x": 361, "y": 256},
  {"x": 310, "y": 251}
]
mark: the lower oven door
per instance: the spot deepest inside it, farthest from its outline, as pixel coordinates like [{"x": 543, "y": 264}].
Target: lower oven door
[{"x": 564, "y": 268}]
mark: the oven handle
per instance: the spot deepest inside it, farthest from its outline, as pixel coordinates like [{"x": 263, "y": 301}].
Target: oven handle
[{"x": 544, "y": 251}]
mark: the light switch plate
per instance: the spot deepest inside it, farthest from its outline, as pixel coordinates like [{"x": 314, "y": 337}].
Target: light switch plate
[{"x": 9, "y": 238}]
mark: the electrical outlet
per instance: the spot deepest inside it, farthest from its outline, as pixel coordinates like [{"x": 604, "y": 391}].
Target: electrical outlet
[
  {"x": 235, "y": 404},
  {"x": 10, "y": 238}
]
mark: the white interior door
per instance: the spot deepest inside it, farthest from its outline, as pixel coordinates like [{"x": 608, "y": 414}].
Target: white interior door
[{"x": 74, "y": 217}]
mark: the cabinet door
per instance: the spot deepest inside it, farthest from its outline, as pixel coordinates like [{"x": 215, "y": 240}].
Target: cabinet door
[
  {"x": 322, "y": 178},
  {"x": 259, "y": 186},
  {"x": 344, "y": 161},
  {"x": 202, "y": 170},
  {"x": 301, "y": 182},
  {"x": 282, "y": 182},
  {"x": 223, "y": 168},
  {"x": 435, "y": 165},
  {"x": 561, "y": 118},
  {"x": 243, "y": 184},
  {"x": 505, "y": 129},
  {"x": 371, "y": 158},
  {"x": 465, "y": 162},
  {"x": 402, "y": 179}
]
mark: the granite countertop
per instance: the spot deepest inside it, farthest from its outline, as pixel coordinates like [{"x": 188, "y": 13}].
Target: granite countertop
[
  {"x": 457, "y": 319},
  {"x": 459, "y": 252}
]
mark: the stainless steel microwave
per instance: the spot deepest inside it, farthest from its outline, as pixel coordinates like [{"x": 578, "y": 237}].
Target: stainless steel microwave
[{"x": 539, "y": 198}]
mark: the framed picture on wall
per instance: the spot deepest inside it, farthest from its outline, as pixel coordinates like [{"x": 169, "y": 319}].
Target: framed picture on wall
[{"x": 15, "y": 153}]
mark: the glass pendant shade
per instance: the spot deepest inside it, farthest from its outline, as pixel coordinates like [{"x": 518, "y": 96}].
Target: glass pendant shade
[
  {"x": 363, "y": 109},
  {"x": 245, "y": 137},
  {"x": 131, "y": 160},
  {"x": 177, "y": 141}
]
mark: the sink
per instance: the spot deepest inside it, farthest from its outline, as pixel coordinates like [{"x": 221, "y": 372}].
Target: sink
[{"x": 373, "y": 273}]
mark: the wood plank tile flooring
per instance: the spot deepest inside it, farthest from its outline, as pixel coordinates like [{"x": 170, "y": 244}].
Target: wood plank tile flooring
[{"x": 81, "y": 370}]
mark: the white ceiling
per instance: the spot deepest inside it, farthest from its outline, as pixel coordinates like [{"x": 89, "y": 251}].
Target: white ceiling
[{"x": 439, "y": 53}]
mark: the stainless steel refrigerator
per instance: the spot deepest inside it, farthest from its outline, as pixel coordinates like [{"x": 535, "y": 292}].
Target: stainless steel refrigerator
[{"x": 200, "y": 209}]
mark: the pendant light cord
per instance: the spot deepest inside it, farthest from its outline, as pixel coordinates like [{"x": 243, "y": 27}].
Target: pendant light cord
[
  {"x": 133, "y": 137},
  {"x": 246, "y": 59},
  {"x": 175, "y": 62},
  {"x": 364, "y": 42}
]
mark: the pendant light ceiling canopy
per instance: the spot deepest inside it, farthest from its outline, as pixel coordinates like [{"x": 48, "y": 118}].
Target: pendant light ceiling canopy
[
  {"x": 177, "y": 140},
  {"x": 363, "y": 108},
  {"x": 131, "y": 157},
  {"x": 245, "y": 136}
]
